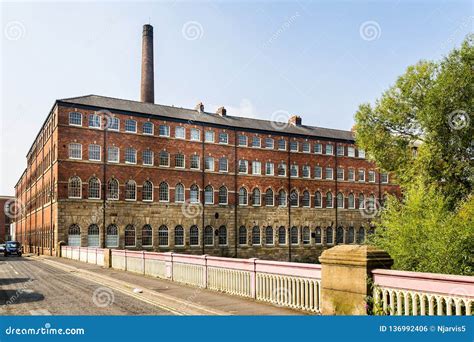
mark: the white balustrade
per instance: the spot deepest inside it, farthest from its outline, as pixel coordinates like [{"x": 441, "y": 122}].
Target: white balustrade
[
  {"x": 235, "y": 282},
  {"x": 189, "y": 274}
]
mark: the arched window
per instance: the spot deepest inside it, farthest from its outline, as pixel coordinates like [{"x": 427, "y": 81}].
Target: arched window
[
  {"x": 194, "y": 194},
  {"x": 256, "y": 235},
  {"x": 164, "y": 192},
  {"x": 223, "y": 195},
  {"x": 147, "y": 236},
  {"x": 294, "y": 235},
  {"x": 179, "y": 193},
  {"x": 340, "y": 200},
  {"x": 371, "y": 203},
  {"x": 350, "y": 235},
  {"x": 329, "y": 235},
  {"x": 243, "y": 197},
  {"x": 361, "y": 201},
  {"x": 269, "y": 236},
  {"x": 282, "y": 198},
  {"x": 351, "y": 201},
  {"x": 306, "y": 235},
  {"x": 222, "y": 235},
  {"x": 209, "y": 195},
  {"x": 306, "y": 199},
  {"x": 194, "y": 236},
  {"x": 94, "y": 188},
  {"x": 75, "y": 187},
  {"x": 131, "y": 190},
  {"x": 74, "y": 235},
  {"x": 294, "y": 198},
  {"x": 242, "y": 235},
  {"x": 339, "y": 235},
  {"x": 256, "y": 198},
  {"x": 318, "y": 236},
  {"x": 269, "y": 198},
  {"x": 163, "y": 240},
  {"x": 93, "y": 236},
  {"x": 317, "y": 200},
  {"x": 130, "y": 239},
  {"x": 209, "y": 236},
  {"x": 164, "y": 158},
  {"x": 113, "y": 189},
  {"x": 147, "y": 191},
  {"x": 361, "y": 235},
  {"x": 111, "y": 236},
  {"x": 179, "y": 236},
  {"x": 329, "y": 200},
  {"x": 282, "y": 235}
]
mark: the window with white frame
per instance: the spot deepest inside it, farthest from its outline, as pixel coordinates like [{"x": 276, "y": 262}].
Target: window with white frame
[
  {"x": 269, "y": 199},
  {"x": 269, "y": 169},
  {"x": 129, "y": 236},
  {"x": 223, "y": 195},
  {"x": 222, "y": 235},
  {"x": 94, "y": 120},
  {"x": 256, "y": 236},
  {"x": 242, "y": 140},
  {"x": 384, "y": 178},
  {"x": 294, "y": 170},
  {"x": 113, "y": 154},
  {"x": 164, "y": 193},
  {"x": 269, "y": 236},
  {"x": 340, "y": 173},
  {"x": 306, "y": 171},
  {"x": 223, "y": 164},
  {"x": 351, "y": 201},
  {"x": 147, "y": 191},
  {"x": 294, "y": 198},
  {"x": 130, "y": 190},
  {"x": 351, "y": 175},
  {"x": 194, "y": 236},
  {"x": 75, "y": 119},
  {"x": 282, "y": 198},
  {"x": 306, "y": 200},
  {"x": 306, "y": 147},
  {"x": 195, "y": 163},
  {"x": 361, "y": 175},
  {"x": 306, "y": 235},
  {"x": 329, "y": 173},
  {"x": 163, "y": 236},
  {"x": 94, "y": 152},
  {"x": 318, "y": 148},
  {"x": 209, "y": 236},
  {"x": 351, "y": 151},
  {"x": 242, "y": 235},
  {"x": 164, "y": 158},
  {"x": 130, "y": 155},
  {"x": 340, "y": 150},
  {"x": 256, "y": 197},
  {"x": 113, "y": 189},
  {"x": 179, "y": 160},
  {"x": 147, "y": 157},
  {"x": 293, "y": 146},
  {"x": 164, "y": 131},
  {"x": 111, "y": 236},
  {"x": 209, "y": 195},
  {"x": 318, "y": 200},
  {"x": 179, "y": 193},
  {"x": 179, "y": 236},
  {"x": 282, "y": 169},
  {"x": 361, "y": 201},
  {"x": 93, "y": 236},
  {"x": 256, "y": 168},
  {"x": 94, "y": 188},
  {"x": 209, "y": 163},
  {"x": 318, "y": 172},
  {"x": 243, "y": 166},
  {"x": 147, "y": 236},
  {"x": 75, "y": 187},
  {"x": 243, "y": 196},
  {"x": 269, "y": 143},
  {"x": 209, "y": 136},
  {"x": 74, "y": 235},
  {"x": 130, "y": 126},
  {"x": 329, "y": 201},
  {"x": 329, "y": 149},
  {"x": 194, "y": 194},
  {"x": 340, "y": 200},
  {"x": 282, "y": 145},
  {"x": 294, "y": 235},
  {"x": 113, "y": 123},
  {"x": 361, "y": 153},
  {"x": 256, "y": 142},
  {"x": 282, "y": 235},
  {"x": 223, "y": 138},
  {"x": 75, "y": 151},
  {"x": 195, "y": 134},
  {"x": 180, "y": 132},
  {"x": 371, "y": 176},
  {"x": 148, "y": 128}
]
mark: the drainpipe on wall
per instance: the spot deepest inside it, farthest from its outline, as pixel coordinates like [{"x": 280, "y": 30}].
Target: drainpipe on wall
[
  {"x": 202, "y": 189},
  {"x": 235, "y": 194},
  {"x": 289, "y": 199}
]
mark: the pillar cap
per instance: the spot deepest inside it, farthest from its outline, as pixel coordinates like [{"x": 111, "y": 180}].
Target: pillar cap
[{"x": 357, "y": 255}]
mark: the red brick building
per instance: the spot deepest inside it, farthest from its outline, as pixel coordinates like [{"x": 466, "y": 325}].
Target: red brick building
[{"x": 127, "y": 174}]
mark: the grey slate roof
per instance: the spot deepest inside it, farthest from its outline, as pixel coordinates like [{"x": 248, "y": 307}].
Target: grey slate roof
[{"x": 205, "y": 117}]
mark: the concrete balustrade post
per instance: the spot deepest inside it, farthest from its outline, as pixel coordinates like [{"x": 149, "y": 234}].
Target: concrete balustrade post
[
  {"x": 345, "y": 279},
  {"x": 169, "y": 265}
]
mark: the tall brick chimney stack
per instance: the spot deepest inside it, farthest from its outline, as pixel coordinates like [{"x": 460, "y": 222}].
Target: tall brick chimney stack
[{"x": 147, "y": 93}]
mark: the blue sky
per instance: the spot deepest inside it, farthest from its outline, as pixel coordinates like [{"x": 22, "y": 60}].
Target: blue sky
[{"x": 318, "y": 59}]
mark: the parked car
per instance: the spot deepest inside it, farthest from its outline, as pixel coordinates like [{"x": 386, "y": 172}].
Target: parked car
[
  {"x": 12, "y": 247},
  {"x": 2, "y": 247}
]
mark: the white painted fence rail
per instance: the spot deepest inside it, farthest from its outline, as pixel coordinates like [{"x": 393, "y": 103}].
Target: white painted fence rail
[
  {"x": 415, "y": 293},
  {"x": 85, "y": 254}
]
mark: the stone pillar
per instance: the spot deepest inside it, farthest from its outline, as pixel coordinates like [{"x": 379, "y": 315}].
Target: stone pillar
[
  {"x": 107, "y": 258},
  {"x": 345, "y": 278}
]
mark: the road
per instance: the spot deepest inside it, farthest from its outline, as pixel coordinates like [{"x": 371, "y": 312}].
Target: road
[{"x": 29, "y": 286}]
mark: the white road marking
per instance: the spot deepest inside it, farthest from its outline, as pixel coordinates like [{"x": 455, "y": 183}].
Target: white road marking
[{"x": 40, "y": 312}]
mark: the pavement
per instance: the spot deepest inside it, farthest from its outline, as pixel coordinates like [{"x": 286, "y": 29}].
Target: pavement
[{"x": 43, "y": 285}]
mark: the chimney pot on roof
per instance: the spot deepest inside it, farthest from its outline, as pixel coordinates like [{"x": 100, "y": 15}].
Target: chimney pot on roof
[
  {"x": 199, "y": 107},
  {"x": 295, "y": 120},
  {"x": 221, "y": 111}
]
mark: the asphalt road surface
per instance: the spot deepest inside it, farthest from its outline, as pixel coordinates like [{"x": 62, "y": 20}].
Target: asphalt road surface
[{"x": 29, "y": 286}]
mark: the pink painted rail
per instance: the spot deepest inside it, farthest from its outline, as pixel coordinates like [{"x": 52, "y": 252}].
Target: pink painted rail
[{"x": 415, "y": 293}]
